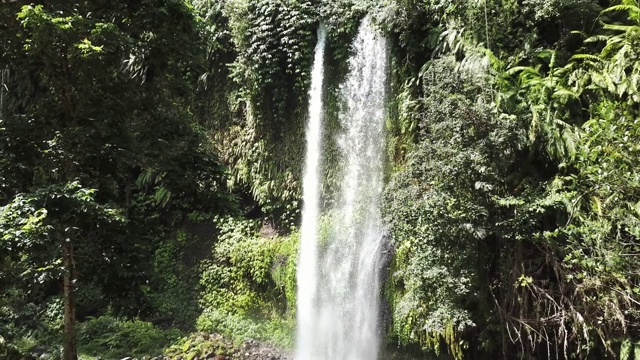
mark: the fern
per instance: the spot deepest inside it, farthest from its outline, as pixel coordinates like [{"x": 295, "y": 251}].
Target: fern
[
  {"x": 631, "y": 7},
  {"x": 625, "y": 350}
]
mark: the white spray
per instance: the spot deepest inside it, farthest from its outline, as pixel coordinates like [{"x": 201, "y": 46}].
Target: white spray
[{"x": 343, "y": 288}]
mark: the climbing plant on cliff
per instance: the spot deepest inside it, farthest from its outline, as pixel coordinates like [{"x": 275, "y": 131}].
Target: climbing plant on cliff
[
  {"x": 556, "y": 238},
  {"x": 249, "y": 284},
  {"x": 264, "y": 142},
  {"x": 451, "y": 178},
  {"x": 594, "y": 240}
]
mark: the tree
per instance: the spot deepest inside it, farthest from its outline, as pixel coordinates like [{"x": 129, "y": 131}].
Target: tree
[
  {"x": 48, "y": 230},
  {"x": 97, "y": 128}
]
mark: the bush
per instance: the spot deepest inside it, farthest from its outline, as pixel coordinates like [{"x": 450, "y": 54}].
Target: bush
[
  {"x": 174, "y": 288},
  {"x": 8, "y": 351},
  {"x": 249, "y": 284},
  {"x": 440, "y": 211},
  {"x": 238, "y": 328},
  {"x": 27, "y": 326},
  {"x": 108, "y": 336}
]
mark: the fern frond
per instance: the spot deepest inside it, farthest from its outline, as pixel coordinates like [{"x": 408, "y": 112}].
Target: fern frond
[
  {"x": 596, "y": 205},
  {"x": 147, "y": 177},
  {"x": 546, "y": 54},
  {"x": 596, "y": 38},
  {"x": 589, "y": 57},
  {"x": 576, "y": 32},
  {"x": 522, "y": 69},
  {"x": 612, "y": 45},
  {"x": 162, "y": 196},
  {"x": 563, "y": 92},
  {"x": 616, "y": 27},
  {"x": 570, "y": 140},
  {"x": 552, "y": 61},
  {"x": 632, "y": 9},
  {"x": 625, "y": 350}
]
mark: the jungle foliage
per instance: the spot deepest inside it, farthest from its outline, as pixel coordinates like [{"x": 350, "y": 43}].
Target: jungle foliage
[
  {"x": 249, "y": 283},
  {"x": 151, "y": 161},
  {"x": 521, "y": 241},
  {"x": 101, "y": 155}
]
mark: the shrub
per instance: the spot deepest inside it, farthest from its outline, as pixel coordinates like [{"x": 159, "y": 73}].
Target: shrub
[
  {"x": 249, "y": 284},
  {"x": 112, "y": 337}
]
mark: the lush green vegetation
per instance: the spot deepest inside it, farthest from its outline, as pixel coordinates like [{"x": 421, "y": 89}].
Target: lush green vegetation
[
  {"x": 248, "y": 285},
  {"x": 151, "y": 157},
  {"x": 522, "y": 235}
]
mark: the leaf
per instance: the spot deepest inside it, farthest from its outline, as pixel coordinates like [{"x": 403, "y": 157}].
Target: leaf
[
  {"x": 596, "y": 205},
  {"x": 625, "y": 350},
  {"x": 563, "y": 92},
  {"x": 623, "y": 28},
  {"x": 589, "y": 57},
  {"x": 632, "y": 9},
  {"x": 525, "y": 69},
  {"x": 596, "y": 38},
  {"x": 186, "y": 345}
]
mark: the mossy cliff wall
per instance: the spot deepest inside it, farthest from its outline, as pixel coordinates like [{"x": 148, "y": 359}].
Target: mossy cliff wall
[{"x": 491, "y": 162}]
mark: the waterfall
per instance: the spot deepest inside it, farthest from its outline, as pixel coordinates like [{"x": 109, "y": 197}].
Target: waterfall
[
  {"x": 307, "y": 268},
  {"x": 342, "y": 285}
]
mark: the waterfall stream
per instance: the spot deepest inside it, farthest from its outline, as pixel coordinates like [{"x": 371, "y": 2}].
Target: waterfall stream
[
  {"x": 339, "y": 277},
  {"x": 307, "y": 269}
]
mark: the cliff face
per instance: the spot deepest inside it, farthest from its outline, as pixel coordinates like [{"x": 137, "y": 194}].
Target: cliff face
[{"x": 490, "y": 110}]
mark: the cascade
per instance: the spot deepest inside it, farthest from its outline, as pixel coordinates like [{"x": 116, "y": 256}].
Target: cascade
[
  {"x": 339, "y": 277},
  {"x": 307, "y": 268}
]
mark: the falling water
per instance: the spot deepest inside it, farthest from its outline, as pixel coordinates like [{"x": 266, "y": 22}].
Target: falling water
[
  {"x": 344, "y": 291},
  {"x": 307, "y": 269}
]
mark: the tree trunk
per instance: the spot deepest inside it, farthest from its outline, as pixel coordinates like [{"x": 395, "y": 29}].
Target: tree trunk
[{"x": 69, "y": 338}]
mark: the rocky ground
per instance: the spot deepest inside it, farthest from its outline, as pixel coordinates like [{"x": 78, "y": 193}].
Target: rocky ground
[
  {"x": 216, "y": 347},
  {"x": 198, "y": 346},
  {"x": 203, "y": 346},
  {"x": 252, "y": 350}
]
